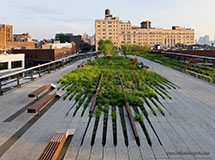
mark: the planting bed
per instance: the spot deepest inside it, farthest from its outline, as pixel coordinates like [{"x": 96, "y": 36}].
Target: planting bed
[{"x": 117, "y": 82}]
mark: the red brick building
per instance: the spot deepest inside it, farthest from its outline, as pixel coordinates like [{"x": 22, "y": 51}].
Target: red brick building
[{"x": 34, "y": 57}]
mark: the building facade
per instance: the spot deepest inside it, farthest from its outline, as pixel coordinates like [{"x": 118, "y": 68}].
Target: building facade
[
  {"x": 7, "y": 41},
  {"x": 58, "y": 45},
  {"x": 11, "y": 63},
  {"x": 24, "y": 37},
  {"x": 88, "y": 39},
  {"x": 6, "y": 35},
  {"x": 120, "y": 33},
  {"x": 69, "y": 37},
  {"x": 34, "y": 57}
]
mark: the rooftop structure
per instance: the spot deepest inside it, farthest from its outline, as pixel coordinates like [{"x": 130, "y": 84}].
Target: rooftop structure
[
  {"x": 69, "y": 37},
  {"x": 24, "y": 37},
  {"x": 58, "y": 45}
]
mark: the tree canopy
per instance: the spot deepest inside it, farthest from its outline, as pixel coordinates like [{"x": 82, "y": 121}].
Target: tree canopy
[
  {"x": 106, "y": 47},
  {"x": 133, "y": 48}
]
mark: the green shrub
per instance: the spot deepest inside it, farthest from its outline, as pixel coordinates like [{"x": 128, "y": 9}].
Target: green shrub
[
  {"x": 139, "y": 117},
  {"x": 114, "y": 115}
]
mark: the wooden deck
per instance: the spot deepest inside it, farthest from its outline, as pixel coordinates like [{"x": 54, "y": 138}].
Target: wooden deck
[{"x": 186, "y": 132}]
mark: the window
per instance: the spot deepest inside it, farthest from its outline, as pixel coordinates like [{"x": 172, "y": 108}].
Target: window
[
  {"x": 16, "y": 64},
  {"x": 3, "y": 65}
]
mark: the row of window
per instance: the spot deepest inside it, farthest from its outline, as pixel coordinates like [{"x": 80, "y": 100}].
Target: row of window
[
  {"x": 14, "y": 64},
  {"x": 109, "y": 22}
]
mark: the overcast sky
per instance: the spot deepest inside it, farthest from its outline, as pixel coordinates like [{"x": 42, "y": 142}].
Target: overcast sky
[{"x": 43, "y": 18}]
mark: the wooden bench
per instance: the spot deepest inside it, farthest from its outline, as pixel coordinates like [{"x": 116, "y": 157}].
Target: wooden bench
[
  {"x": 42, "y": 103},
  {"x": 55, "y": 145},
  {"x": 42, "y": 90}
]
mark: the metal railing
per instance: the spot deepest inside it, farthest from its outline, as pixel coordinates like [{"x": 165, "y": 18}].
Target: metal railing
[
  {"x": 186, "y": 55},
  {"x": 40, "y": 70},
  {"x": 199, "y": 75}
]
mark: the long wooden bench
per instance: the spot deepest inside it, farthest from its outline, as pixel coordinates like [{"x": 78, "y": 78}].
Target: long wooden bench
[
  {"x": 42, "y": 90},
  {"x": 55, "y": 145},
  {"x": 42, "y": 103}
]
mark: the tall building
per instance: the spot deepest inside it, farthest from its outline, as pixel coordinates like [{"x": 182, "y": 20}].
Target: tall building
[
  {"x": 6, "y": 35},
  {"x": 88, "y": 39},
  {"x": 205, "y": 40},
  {"x": 7, "y": 41},
  {"x": 121, "y": 33}
]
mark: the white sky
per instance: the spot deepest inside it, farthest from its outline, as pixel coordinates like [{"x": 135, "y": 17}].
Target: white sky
[{"x": 43, "y": 18}]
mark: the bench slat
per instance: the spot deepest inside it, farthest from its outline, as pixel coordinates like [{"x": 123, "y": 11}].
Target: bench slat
[
  {"x": 41, "y": 91},
  {"x": 40, "y": 104},
  {"x": 52, "y": 150}
]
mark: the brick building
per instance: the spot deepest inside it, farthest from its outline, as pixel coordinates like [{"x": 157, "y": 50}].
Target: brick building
[
  {"x": 7, "y": 40},
  {"x": 121, "y": 33},
  {"x": 34, "y": 57}
]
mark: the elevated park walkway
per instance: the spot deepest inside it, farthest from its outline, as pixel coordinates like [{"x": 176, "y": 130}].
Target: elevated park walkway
[{"x": 185, "y": 132}]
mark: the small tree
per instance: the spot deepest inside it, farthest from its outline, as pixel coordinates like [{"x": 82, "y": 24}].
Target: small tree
[
  {"x": 106, "y": 47},
  {"x": 125, "y": 49},
  {"x": 86, "y": 47}
]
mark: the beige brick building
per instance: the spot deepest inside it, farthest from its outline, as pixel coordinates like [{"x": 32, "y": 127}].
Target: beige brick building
[{"x": 121, "y": 33}]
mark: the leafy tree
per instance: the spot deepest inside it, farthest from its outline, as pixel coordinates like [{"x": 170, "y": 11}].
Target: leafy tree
[
  {"x": 106, "y": 47},
  {"x": 134, "y": 49},
  {"x": 62, "y": 38},
  {"x": 126, "y": 48},
  {"x": 86, "y": 47}
]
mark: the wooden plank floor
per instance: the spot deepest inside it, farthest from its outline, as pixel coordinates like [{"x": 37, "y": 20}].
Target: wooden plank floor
[{"x": 188, "y": 124}]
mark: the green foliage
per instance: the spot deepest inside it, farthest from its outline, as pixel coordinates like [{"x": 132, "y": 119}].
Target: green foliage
[
  {"x": 63, "y": 38},
  {"x": 87, "y": 47},
  {"x": 90, "y": 114},
  {"x": 114, "y": 115},
  {"x": 139, "y": 84},
  {"x": 153, "y": 111},
  {"x": 106, "y": 47},
  {"x": 134, "y": 100},
  {"x": 126, "y": 49},
  {"x": 78, "y": 97},
  {"x": 134, "y": 49},
  {"x": 106, "y": 108},
  {"x": 98, "y": 111},
  {"x": 175, "y": 64},
  {"x": 161, "y": 110},
  {"x": 139, "y": 117}
]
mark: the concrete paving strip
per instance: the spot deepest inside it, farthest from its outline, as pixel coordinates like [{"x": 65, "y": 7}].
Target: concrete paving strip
[{"x": 4, "y": 147}]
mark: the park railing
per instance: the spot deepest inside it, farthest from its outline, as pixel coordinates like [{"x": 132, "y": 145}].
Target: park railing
[
  {"x": 15, "y": 79},
  {"x": 199, "y": 75}
]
